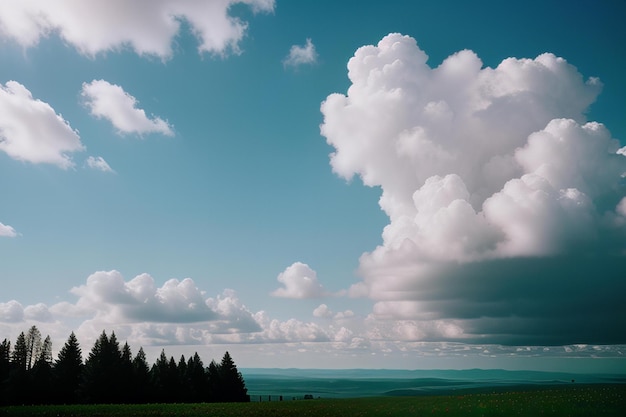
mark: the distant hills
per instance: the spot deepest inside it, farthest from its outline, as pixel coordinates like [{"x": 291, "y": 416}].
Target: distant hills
[{"x": 347, "y": 383}]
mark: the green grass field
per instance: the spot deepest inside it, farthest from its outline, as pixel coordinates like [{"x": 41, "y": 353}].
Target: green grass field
[{"x": 591, "y": 400}]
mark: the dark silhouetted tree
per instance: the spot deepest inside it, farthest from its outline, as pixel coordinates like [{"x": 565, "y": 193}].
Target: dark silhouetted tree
[
  {"x": 5, "y": 367},
  {"x": 184, "y": 384},
  {"x": 33, "y": 346},
  {"x": 67, "y": 371},
  {"x": 17, "y": 383},
  {"x": 142, "y": 387},
  {"x": 198, "y": 380},
  {"x": 214, "y": 391},
  {"x": 40, "y": 376},
  {"x": 125, "y": 377},
  {"x": 232, "y": 386},
  {"x": 101, "y": 376},
  {"x": 18, "y": 357},
  {"x": 159, "y": 375}
]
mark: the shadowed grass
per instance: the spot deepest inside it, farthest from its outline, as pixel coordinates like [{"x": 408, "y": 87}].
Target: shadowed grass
[{"x": 591, "y": 400}]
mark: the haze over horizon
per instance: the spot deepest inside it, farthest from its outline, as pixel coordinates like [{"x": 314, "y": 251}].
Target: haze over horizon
[{"x": 318, "y": 184}]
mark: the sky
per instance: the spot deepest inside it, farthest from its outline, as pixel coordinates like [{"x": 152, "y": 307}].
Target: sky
[{"x": 318, "y": 184}]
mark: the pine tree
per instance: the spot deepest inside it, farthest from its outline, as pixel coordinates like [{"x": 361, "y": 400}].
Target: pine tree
[
  {"x": 142, "y": 387},
  {"x": 19, "y": 355},
  {"x": 198, "y": 380},
  {"x": 158, "y": 376},
  {"x": 33, "y": 346},
  {"x": 184, "y": 385},
  {"x": 125, "y": 376},
  {"x": 67, "y": 371},
  {"x": 101, "y": 376},
  {"x": 17, "y": 384},
  {"x": 41, "y": 383},
  {"x": 234, "y": 387},
  {"x": 214, "y": 391},
  {"x": 46, "y": 351},
  {"x": 5, "y": 367}
]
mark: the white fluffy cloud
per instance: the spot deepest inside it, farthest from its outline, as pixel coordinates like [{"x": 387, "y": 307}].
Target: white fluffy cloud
[
  {"x": 11, "y": 312},
  {"x": 7, "y": 231},
  {"x": 175, "y": 313},
  {"x": 322, "y": 311},
  {"x": 31, "y": 131},
  {"x": 178, "y": 314},
  {"x": 98, "y": 162},
  {"x": 478, "y": 164},
  {"x": 299, "y": 281},
  {"x": 301, "y": 55},
  {"x": 148, "y": 28},
  {"x": 111, "y": 102}
]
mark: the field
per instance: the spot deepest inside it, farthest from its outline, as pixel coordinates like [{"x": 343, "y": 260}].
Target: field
[{"x": 582, "y": 400}]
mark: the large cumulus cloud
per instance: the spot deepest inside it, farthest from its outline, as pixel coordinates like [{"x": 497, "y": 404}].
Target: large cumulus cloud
[{"x": 505, "y": 204}]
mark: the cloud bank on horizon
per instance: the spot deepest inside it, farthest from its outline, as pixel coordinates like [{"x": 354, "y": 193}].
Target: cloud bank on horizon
[{"x": 506, "y": 207}]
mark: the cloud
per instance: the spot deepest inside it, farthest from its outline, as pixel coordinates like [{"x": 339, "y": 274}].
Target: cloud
[
  {"x": 289, "y": 331},
  {"x": 147, "y": 315},
  {"x": 7, "y": 231},
  {"x": 301, "y": 55},
  {"x": 11, "y": 312},
  {"x": 38, "y": 312},
  {"x": 147, "y": 29},
  {"x": 98, "y": 162},
  {"x": 31, "y": 131},
  {"x": 299, "y": 281},
  {"x": 494, "y": 182},
  {"x": 175, "y": 313},
  {"x": 110, "y": 297},
  {"x": 111, "y": 102},
  {"x": 322, "y": 311}
]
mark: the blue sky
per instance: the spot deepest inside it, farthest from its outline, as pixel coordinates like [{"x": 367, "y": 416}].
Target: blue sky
[{"x": 183, "y": 173}]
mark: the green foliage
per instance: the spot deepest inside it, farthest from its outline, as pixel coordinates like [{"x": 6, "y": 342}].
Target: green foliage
[{"x": 574, "y": 401}]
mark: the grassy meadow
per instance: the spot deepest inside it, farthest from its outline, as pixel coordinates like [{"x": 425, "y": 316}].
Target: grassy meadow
[{"x": 587, "y": 400}]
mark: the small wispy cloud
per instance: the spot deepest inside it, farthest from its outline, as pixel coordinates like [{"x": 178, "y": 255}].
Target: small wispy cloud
[
  {"x": 98, "y": 162},
  {"x": 111, "y": 102},
  {"x": 301, "y": 55},
  {"x": 7, "y": 231}
]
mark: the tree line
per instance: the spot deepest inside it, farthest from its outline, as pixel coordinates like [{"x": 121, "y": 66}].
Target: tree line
[{"x": 109, "y": 374}]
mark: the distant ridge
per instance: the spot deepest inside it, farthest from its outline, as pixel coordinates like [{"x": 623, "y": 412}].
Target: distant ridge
[{"x": 333, "y": 383}]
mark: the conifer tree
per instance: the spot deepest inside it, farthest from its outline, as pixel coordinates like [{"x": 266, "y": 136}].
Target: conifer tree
[
  {"x": 100, "y": 382},
  {"x": 158, "y": 376},
  {"x": 214, "y": 391},
  {"x": 67, "y": 371},
  {"x": 232, "y": 383},
  {"x": 33, "y": 346},
  {"x": 19, "y": 355},
  {"x": 5, "y": 366},
  {"x": 17, "y": 383},
  {"x": 198, "y": 380},
  {"x": 41, "y": 383},
  {"x": 184, "y": 384},
  {"x": 125, "y": 375},
  {"x": 142, "y": 387}
]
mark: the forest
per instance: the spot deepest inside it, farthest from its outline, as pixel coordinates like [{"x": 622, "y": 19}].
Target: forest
[{"x": 110, "y": 374}]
